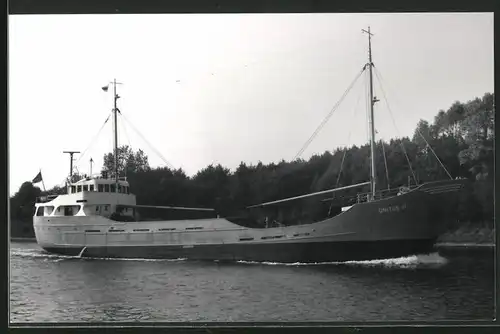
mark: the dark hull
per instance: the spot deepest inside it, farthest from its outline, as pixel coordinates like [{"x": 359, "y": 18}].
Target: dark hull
[
  {"x": 394, "y": 227},
  {"x": 313, "y": 252}
]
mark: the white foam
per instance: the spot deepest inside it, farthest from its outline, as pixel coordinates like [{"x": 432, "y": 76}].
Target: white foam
[
  {"x": 413, "y": 261},
  {"x": 36, "y": 253}
]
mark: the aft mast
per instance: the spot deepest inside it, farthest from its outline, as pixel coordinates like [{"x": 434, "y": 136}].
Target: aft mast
[{"x": 373, "y": 177}]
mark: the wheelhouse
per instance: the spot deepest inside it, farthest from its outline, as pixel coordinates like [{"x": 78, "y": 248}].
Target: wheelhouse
[{"x": 90, "y": 196}]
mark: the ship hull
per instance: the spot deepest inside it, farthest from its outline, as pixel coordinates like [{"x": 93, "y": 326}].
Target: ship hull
[
  {"x": 314, "y": 252},
  {"x": 388, "y": 228}
]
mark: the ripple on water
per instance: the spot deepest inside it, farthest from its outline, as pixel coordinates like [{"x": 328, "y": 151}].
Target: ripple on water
[{"x": 49, "y": 287}]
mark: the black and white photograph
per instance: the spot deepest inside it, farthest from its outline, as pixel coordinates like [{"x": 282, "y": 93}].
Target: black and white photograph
[{"x": 251, "y": 168}]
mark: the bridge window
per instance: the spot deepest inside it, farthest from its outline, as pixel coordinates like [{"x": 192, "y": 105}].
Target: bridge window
[
  {"x": 91, "y": 187},
  {"x": 69, "y": 210},
  {"x": 85, "y": 188},
  {"x": 105, "y": 208},
  {"x": 48, "y": 210},
  {"x": 106, "y": 188},
  {"x": 119, "y": 188},
  {"x": 78, "y": 188},
  {"x": 39, "y": 212},
  {"x": 100, "y": 188},
  {"x": 113, "y": 187},
  {"x": 73, "y": 189}
]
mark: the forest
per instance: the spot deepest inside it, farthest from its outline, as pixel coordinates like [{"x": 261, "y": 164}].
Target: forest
[{"x": 460, "y": 138}]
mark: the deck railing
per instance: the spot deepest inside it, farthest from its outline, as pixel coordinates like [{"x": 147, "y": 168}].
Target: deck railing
[
  {"x": 366, "y": 196},
  {"x": 381, "y": 194},
  {"x": 44, "y": 199}
]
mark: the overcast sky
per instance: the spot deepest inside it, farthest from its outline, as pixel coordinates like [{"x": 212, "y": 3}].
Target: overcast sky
[{"x": 227, "y": 88}]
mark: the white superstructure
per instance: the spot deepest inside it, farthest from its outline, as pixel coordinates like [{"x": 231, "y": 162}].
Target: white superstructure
[{"x": 91, "y": 196}]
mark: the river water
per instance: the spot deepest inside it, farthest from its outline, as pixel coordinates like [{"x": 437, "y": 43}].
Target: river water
[{"x": 51, "y": 288}]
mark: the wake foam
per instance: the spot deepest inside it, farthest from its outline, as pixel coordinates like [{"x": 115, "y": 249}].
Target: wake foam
[
  {"x": 412, "y": 262},
  {"x": 37, "y": 253}
]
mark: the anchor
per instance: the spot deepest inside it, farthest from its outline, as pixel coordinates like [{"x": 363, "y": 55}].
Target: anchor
[{"x": 81, "y": 252}]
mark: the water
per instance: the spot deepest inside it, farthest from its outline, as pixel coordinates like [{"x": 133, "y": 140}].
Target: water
[{"x": 51, "y": 288}]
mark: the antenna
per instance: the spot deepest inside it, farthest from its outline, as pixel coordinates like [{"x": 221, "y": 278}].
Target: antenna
[
  {"x": 91, "y": 162},
  {"x": 71, "y": 161}
]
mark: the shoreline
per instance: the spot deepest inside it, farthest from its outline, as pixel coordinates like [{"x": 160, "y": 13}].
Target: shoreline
[
  {"x": 438, "y": 245},
  {"x": 463, "y": 245},
  {"x": 19, "y": 239}
]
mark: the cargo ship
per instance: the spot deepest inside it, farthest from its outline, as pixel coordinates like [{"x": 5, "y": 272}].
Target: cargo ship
[{"x": 99, "y": 217}]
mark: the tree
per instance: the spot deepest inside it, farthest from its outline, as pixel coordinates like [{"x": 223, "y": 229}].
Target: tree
[
  {"x": 23, "y": 201},
  {"x": 479, "y": 132},
  {"x": 462, "y": 137},
  {"x": 128, "y": 161},
  {"x": 424, "y": 132},
  {"x": 57, "y": 190}
]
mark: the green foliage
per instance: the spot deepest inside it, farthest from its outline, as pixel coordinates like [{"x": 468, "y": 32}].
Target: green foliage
[
  {"x": 22, "y": 203},
  {"x": 128, "y": 162},
  {"x": 479, "y": 136},
  {"x": 462, "y": 137}
]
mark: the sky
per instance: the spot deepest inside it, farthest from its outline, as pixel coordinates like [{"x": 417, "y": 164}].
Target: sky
[{"x": 206, "y": 89}]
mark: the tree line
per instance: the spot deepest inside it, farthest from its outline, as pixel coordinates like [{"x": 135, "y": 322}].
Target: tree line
[{"x": 460, "y": 138}]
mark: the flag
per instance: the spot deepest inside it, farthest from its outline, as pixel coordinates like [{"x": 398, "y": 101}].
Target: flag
[
  {"x": 105, "y": 88},
  {"x": 37, "y": 178}
]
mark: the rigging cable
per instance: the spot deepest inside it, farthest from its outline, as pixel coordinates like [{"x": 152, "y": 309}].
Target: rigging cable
[
  {"x": 145, "y": 140},
  {"x": 93, "y": 140},
  {"x": 394, "y": 123},
  {"x": 418, "y": 131},
  {"x": 385, "y": 162},
  {"x": 325, "y": 120},
  {"x": 125, "y": 132},
  {"x": 122, "y": 126},
  {"x": 348, "y": 137},
  {"x": 345, "y": 149},
  {"x": 429, "y": 146}
]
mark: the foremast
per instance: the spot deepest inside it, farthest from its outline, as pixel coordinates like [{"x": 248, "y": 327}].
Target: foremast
[{"x": 115, "y": 130}]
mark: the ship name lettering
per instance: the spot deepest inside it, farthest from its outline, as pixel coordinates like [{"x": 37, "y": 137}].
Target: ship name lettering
[{"x": 393, "y": 208}]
